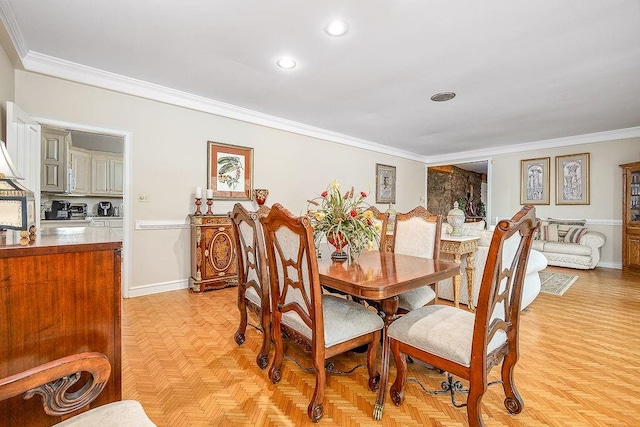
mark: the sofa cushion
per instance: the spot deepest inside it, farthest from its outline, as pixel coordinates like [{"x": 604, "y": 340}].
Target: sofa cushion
[
  {"x": 549, "y": 232},
  {"x": 575, "y": 234},
  {"x": 564, "y": 225},
  {"x": 567, "y": 248}
]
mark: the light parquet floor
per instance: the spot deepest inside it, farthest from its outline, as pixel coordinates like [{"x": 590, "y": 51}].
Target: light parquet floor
[{"x": 579, "y": 366}]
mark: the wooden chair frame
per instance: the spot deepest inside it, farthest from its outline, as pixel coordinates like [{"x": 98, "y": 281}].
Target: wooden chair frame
[
  {"x": 294, "y": 272},
  {"x": 53, "y": 380},
  {"x": 251, "y": 258},
  {"x": 525, "y": 223}
]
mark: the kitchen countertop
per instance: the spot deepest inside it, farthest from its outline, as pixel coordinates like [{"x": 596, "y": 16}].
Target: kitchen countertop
[{"x": 50, "y": 238}]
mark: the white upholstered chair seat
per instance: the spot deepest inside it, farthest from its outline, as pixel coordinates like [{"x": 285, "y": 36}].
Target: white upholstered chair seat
[
  {"x": 117, "y": 414},
  {"x": 441, "y": 330},
  {"x": 343, "y": 320},
  {"x": 252, "y": 296},
  {"x": 416, "y": 298}
]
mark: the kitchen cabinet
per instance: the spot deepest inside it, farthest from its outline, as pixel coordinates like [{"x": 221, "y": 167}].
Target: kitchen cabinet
[
  {"x": 107, "y": 222},
  {"x": 80, "y": 166},
  {"x": 55, "y": 144},
  {"x": 631, "y": 216},
  {"x": 213, "y": 255},
  {"x": 107, "y": 174}
]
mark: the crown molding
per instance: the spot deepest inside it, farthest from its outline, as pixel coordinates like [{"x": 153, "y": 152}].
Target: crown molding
[
  {"x": 44, "y": 64},
  {"x": 589, "y": 138},
  {"x": 10, "y": 23}
]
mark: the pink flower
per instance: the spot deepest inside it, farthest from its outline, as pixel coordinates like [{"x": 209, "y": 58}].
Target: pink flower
[
  {"x": 353, "y": 213},
  {"x": 363, "y": 194},
  {"x": 324, "y": 194}
]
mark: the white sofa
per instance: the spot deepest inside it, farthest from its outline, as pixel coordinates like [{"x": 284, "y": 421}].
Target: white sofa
[
  {"x": 567, "y": 243},
  {"x": 537, "y": 262}
]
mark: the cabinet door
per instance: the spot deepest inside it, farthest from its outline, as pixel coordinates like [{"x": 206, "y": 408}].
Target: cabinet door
[
  {"x": 80, "y": 163},
  {"x": 116, "y": 176},
  {"x": 54, "y": 164},
  {"x": 99, "y": 175}
]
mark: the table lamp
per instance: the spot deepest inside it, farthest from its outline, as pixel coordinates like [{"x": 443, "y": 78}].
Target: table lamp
[{"x": 17, "y": 204}]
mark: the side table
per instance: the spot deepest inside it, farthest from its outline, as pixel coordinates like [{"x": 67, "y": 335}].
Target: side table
[{"x": 458, "y": 246}]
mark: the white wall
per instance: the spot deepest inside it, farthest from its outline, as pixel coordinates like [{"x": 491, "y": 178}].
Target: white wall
[
  {"x": 169, "y": 159},
  {"x": 6, "y": 89},
  {"x": 604, "y": 212}
]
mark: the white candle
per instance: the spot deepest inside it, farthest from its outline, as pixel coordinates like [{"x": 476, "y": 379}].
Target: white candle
[
  {"x": 198, "y": 192},
  {"x": 209, "y": 193}
]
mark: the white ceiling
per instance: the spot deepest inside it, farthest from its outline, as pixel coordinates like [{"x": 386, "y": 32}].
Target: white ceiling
[{"x": 524, "y": 71}]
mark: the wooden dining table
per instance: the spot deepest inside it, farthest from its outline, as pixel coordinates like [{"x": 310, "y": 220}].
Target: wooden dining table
[{"x": 382, "y": 276}]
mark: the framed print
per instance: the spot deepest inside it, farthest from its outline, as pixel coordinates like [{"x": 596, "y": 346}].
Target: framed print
[
  {"x": 534, "y": 181},
  {"x": 385, "y": 183},
  {"x": 230, "y": 171},
  {"x": 572, "y": 179}
]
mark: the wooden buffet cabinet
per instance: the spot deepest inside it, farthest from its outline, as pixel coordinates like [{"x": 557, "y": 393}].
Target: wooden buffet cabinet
[
  {"x": 213, "y": 254},
  {"x": 631, "y": 216},
  {"x": 58, "y": 297}
]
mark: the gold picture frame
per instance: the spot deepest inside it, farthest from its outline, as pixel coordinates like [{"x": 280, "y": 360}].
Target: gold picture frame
[
  {"x": 572, "y": 179},
  {"x": 230, "y": 171},
  {"x": 535, "y": 181},
  {"x": 385, "y": 183}
]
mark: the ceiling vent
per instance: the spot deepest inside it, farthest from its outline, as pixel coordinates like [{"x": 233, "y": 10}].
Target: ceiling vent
[{"x": 443, "y": 96}]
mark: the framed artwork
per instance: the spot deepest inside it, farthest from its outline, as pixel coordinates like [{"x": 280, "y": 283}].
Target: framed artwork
[
  {"x": 534, "y": 181},
  {"x": 385, "y": 183},
  {"x": 230, "y": 171},
  {"x": 572, "y": 179}
]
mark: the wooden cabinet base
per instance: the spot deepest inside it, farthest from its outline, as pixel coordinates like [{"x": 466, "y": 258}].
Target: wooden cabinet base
[{"x": 213, "y": 254}]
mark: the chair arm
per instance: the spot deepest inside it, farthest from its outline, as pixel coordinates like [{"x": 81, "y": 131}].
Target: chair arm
[
  {"x": 594, "y": 239},
  {"x": 51, "y": 381}
]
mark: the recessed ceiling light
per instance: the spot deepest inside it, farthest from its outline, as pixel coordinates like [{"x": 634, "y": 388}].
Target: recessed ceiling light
[
  {"x": 443, "y": 96},
  {"x": 286, "y": 63},
  {"x": 336, "y": 28}
]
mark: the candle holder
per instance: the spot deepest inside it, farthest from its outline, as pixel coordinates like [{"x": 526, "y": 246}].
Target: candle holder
[
  {"x": 198, "y": 203},
  {"x": 209, "y": 203}
]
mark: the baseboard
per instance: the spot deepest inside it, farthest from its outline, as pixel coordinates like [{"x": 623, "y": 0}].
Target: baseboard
[
  {"x": 156, "y": 288},
  {"x": 615, "y": 265}
]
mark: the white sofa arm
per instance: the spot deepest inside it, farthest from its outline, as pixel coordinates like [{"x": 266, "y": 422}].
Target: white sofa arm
[{"x": 594, "y": 239}]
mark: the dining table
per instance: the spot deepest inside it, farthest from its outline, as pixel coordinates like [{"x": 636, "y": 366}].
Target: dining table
[{"x": 380, "y": 277}]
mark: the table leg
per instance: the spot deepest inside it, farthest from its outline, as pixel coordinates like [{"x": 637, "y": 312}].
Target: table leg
[
  {"x": 470, "y": 273},
  {"x": 389, "y": 307},
  {"x": 457, "y": 282}
]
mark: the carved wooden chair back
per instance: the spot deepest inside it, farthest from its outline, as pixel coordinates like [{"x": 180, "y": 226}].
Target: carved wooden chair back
[
  {"x": 468, "y": 344},
  {"x": 416, "y": 233},
  {"x": 253, "y": 282},
  {"x": 324, "y": 325},
  {"x": 88, "y": 373}
]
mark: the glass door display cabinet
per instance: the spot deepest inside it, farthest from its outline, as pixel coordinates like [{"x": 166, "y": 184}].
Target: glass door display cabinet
[{"x": 631, "y": 216}]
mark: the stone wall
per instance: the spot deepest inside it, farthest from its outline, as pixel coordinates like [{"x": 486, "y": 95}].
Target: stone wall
[{"x": 446, "y": 184}]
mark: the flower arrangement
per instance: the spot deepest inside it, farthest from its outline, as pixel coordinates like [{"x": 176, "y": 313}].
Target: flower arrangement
[{"x": 344, "y": 220}]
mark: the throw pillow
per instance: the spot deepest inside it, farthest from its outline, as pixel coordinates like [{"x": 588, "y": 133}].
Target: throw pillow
[
  {"x": 565, "y": 224},
  {"x": 574, "y": 234},
  {"x": 549, "y": 232}
]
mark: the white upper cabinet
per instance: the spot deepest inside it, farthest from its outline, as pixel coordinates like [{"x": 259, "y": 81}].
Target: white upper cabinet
[
  {"x": 54, "y": 174},
  {"x": 80, "y": 165},
  {"x": 107, "y": 174}
]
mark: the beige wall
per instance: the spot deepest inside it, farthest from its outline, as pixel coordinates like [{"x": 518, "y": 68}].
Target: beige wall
[
  {"x": 169, "y": 159},
  {"x": 604, "y": 213},
  {"x": 6, "y": 88}
]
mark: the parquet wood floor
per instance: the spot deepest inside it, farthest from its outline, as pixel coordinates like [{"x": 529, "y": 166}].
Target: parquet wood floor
[{"x": 578, "y": 366}]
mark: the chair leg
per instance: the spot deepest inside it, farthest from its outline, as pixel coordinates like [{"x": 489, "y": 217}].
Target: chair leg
[
  {"x": 513, "y": 402},
  {"x": 315, "y": 409},
  {"x": 374, "y": 375},
  {"x": 397, "y": 388},
  {"x": 275, "y": 372},
  {"x": 242, "y": 308},
  {"x": 263, "y": 356},
  {"x": 474, "y": 401}
]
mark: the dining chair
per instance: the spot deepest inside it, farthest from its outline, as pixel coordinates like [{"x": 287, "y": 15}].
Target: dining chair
[
  {"x": 468, "y": 344},
  {"x": 416, "y": 233},
  {"x": 378, "y": 218},
  {"x": 253, "y": 282},
  {"x": 84, "y": 373},
  {"x": 323, "y": 324}
]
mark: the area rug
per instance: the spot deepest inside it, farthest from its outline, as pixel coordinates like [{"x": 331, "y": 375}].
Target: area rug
[{"x": 556, "y": 283}]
